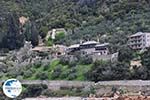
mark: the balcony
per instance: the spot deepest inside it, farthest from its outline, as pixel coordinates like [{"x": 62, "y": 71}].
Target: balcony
[
  {"x": 136, "y": 46},
  {"x": 136, "y": 42}
]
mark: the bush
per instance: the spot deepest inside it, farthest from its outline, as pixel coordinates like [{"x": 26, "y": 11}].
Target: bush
[
  {"x": 64, "y": 75},
  {"x": 67, "y": 60},
  {"x": 46, "y": 67},
  {"x": 72, "y": 76},
  {"x": 109, "y": 71},
  {"x": 64, "y": 60},
  {"x": 42, "y": 76},
  {"x": 43, "y": 31},
  {"x": 49, "y": 42},
  {"x": 73, "y": 62},
  {"x": 19, "y": 77},
  {"x": 27, "y": 74},
  {"x": 34, "y": 90},
  {"x": 12, "y": 73},
  {"x": 60, "y": 36},
  {"x": 37, "y": 64},
  {"x": 85, "y": 60},
  {"x": 125, "y": 54},
  {"x": 57, "y": 72}
]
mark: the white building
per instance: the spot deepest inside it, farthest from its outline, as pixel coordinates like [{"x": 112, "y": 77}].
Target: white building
[
  {"x": 53, "y": 33},
  {"x": 90, "y": 47},
  {"x": 96, "y": 50},
  {"x": 73, "y": 48},
  {"x": 102, "y": 49},
  {"x": 139, "y": 41}
]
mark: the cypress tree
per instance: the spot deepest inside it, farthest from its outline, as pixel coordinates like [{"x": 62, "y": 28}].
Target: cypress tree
[
  {"x": 14, "y": 38},
  {"x": 34, "y": 35}
]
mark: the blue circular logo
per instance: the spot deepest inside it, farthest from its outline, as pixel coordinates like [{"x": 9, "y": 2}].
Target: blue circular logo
[{"x": 12, "y": 88}]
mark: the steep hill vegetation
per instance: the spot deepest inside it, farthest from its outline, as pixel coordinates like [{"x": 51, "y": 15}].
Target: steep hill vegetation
[{"x": 87, "y": 19}]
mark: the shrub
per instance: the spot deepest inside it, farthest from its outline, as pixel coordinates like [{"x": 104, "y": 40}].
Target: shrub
[
  {"x": 57, "y": 72},
  {"x": 27, "y": 74},
  {"x": 34, "y": 90},
  {"x": 67, "y": 60},
  {"x": 19, "y": 77},
  {"x": 46, "y": 67},
  {"x": 12, "y": 73},
  {"x": 49, "y": 42},
  {"x": 43, "y": 31},
  {"x": 60, "y": 35},
  {"x": 42, "y": 76},
  {"x": 72, "y": 76},
  {"x": 64, "y": 60},
  {"x": 86, "y": 60},
  {"x": 37, "y": 64}
]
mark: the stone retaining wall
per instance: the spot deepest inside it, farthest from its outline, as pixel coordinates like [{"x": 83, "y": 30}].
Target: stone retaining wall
[{"x": 101, "y": 88}]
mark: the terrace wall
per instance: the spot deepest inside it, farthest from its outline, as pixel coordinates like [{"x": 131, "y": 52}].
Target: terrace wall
[{"x": 101, "y": 88}]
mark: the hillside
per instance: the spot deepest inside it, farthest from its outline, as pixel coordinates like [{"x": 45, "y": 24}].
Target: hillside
[
  {"x": 105, "y": 23},
  {"x": 104, "y": 20},
  {"x": 86, "y": 18}
]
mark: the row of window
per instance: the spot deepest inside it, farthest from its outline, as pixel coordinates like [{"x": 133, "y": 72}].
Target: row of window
[{"x": 137, "y": 46}]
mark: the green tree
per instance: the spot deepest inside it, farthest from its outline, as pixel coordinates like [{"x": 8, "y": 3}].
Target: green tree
[
  {"x": 31, "y": 32},
  {"x": 42, "y": 76},
  {"x": 59, "y": 36},
  {"x": 14, "y": 38},
  {"x": 43, "y": 31},
  {"x": 140, "y": 73},
  {"x": 49, "y": 42},
  {"x": 27, "y": 30},
  {"x": 126, "y": 54},
  {"x": 145, "y": 57},
  {"x": 56, "y": 73},
  {"x": 34, "y": 90},
  {"x": 34, "y": 35},
  {"x": 102, "y": 71},
  {"x": 85, "y": 59},
  {"x": 145, "y": 60}
]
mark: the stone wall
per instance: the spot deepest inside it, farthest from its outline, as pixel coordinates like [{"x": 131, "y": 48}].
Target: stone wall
[
  {"x": 101, "y": 88},
  {"x": 110, "y": 57},
  {"x": 56, "y": 85}
]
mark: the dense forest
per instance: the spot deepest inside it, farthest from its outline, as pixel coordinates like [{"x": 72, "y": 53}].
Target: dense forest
[{"x": 108, "y": 20}]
